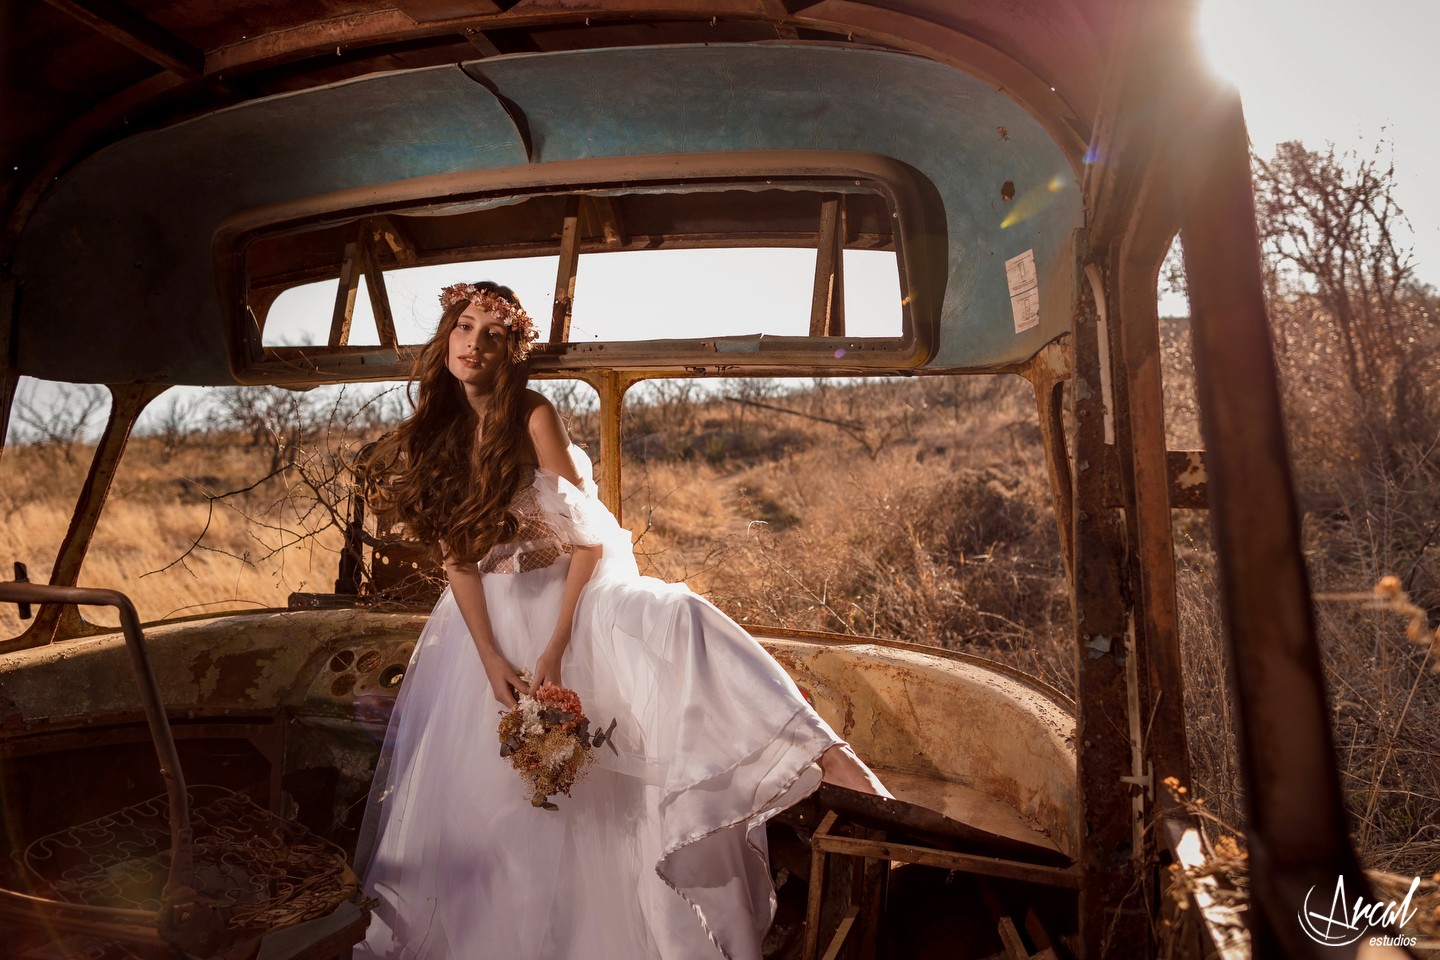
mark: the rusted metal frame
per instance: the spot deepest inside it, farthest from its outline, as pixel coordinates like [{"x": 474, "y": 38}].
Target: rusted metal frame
[
  {"x": 1047, "y": 372},
  {"x": 779, "y": 12},
  {"x": 129, "y": 29},
  {"x": 1139, "y": 254},
  {"x": 848, "y": 19},
  {"x": 611, "y": 385},
  {"x": 827, "y": 300},
  {"x": 1114, "y": 922},
  {"x": 181, "y": 881},
  {"x": 817, "y": 887},
  {"x": 119, "y": 730},
  {"x": 483, "y": 44},
  {"x": 422, "y": 11},
  {"x": 612, "y": 225},
  {"x": 1222, "y": 929},
  {"x": 136, "y": 927},
  {"x": 351, "y": 270},
  {"x": 375, "y": 288},
  {"x": 396, "y": 239},
  {"x": 71, "y": 143},
  {"x": 59, "y": 621},
  {"x": 280, "y": 282},
  {"x": 1063, "y": 877},
  {"x": 565, "y": 272},
  {"x": 9, "y": 371},
  {"x": 1188, "y": 489},
  {"x": 1296, "y": 824}
]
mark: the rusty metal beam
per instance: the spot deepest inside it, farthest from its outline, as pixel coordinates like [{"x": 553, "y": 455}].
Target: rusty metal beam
[
  {"x": 9, "y": 373},
  {"x": 827, "y": 300},
  {"x": 565, "y": 272},
  {"x": 1296, "y": 824},
  {"x": 1161, "y": 719},
  {"x": 59, "y": 621},
  {"x": 386, "y": 230},
  {"x": 611, "y": 224},
  {"x": 129, "y": 29},
  {"x": 611, "y": 387},
  {"x": 424, "y": 11},
  {"x": 351, "y": 270},
  {"x": 1047, "y": 374},
  {"x": 375, "y": 289},
  {"x": 1188, "y": 488},
  {"x": 1114, "y": 921}
]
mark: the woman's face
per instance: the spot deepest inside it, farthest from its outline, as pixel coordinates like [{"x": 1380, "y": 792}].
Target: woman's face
[{"x": 479, "y": 343}]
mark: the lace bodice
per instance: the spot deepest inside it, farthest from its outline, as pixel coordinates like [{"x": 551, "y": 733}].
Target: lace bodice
[{"x": 554, "y": 517}]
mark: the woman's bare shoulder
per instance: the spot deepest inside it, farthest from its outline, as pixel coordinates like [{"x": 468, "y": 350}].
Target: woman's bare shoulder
[{"x": 548, "y": 434}]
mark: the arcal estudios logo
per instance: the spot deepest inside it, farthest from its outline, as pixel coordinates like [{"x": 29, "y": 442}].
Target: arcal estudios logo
[{"x": 1347, "y": 921}]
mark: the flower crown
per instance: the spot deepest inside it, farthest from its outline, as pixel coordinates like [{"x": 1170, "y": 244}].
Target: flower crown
[{"x": 511, "y": 315}]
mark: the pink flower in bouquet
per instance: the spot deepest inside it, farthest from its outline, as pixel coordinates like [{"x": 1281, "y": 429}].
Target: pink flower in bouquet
[{"x": 546, "y": 738}]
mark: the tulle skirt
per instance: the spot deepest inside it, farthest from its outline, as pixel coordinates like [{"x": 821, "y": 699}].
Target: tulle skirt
[{"x": 660, "y": 849}]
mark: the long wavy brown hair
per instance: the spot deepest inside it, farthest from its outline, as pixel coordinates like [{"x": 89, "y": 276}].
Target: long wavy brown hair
[{"x": 430, "y": 474}]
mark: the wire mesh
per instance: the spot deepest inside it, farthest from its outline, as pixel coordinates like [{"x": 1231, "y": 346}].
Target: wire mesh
[{"x": 260, "y": 871}]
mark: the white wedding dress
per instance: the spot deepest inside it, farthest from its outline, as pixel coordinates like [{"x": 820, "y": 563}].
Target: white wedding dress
[{"x": 660, "y": 851}]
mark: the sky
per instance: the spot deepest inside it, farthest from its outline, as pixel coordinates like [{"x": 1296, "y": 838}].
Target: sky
[
  {"x": 1347, "y": 72},
  {"x": 1319, "y": 71}
]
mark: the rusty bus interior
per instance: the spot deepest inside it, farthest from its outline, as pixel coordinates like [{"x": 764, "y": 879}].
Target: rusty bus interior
[{"x": 199, "y": 160}]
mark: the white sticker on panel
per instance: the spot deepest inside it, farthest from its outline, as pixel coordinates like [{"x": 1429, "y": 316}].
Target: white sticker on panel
[{"x": 1024, "y": 286}]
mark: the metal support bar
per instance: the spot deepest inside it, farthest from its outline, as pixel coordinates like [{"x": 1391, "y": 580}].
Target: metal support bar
[
  {"x": 1159, "y": 719},
  {"x": 827, "y": 303},
  {"x": 126, "y": 27},
  {"x": 1296, "y": 824},
  {"x": 565, "y": 272},
  {"x": 1065, "y": 877},
  {"x": 1102, "y": 612},
  {"x": 55, "y": 621},
  {"x": 375, "y": 288},
  {"x": 817, "y": 887},
  {"x": 351, "y": 269},
  {"x": 1047, "y": 374},
  {"x": 386, "y": 230},
  {"x": 611, "y": 386},
  {"x": 611, "y": 224},
  {"x": 181, "y": 882},
  {"x": 9, "y": 371}
]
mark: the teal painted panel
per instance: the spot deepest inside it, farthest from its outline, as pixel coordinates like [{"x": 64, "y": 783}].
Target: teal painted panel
[
  {"x": 958, "y": 131},
  {"x": 133, "y": 225}
]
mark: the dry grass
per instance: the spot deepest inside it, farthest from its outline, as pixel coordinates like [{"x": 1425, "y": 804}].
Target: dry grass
[
  {"x": 915, "y": 509},
  {"x": 157, "y": 509}
]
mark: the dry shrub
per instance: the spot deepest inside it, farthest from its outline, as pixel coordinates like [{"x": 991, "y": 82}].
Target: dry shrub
[
  {"x": 917, "y": 510},
  {"x": 1370, "y": 499}
]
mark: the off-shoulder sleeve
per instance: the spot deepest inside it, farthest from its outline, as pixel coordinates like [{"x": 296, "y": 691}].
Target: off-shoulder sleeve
[{"x": 579, "y": 518}]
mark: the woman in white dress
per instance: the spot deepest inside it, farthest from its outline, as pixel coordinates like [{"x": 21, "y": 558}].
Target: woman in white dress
[{"x": 659, "y": 852}]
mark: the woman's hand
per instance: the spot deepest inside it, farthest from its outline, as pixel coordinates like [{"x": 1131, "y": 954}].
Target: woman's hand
[
  {"x": 547, "y": 668},
  {"x": 504, "y": 681}
]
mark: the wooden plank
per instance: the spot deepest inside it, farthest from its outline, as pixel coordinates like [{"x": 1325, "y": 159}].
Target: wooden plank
[
  {"x": 842, "y": 934},
  {"x": 129, "y": 29},
  {"x": 963, "y": 862},
  {"x": 817, "y": 887}
]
